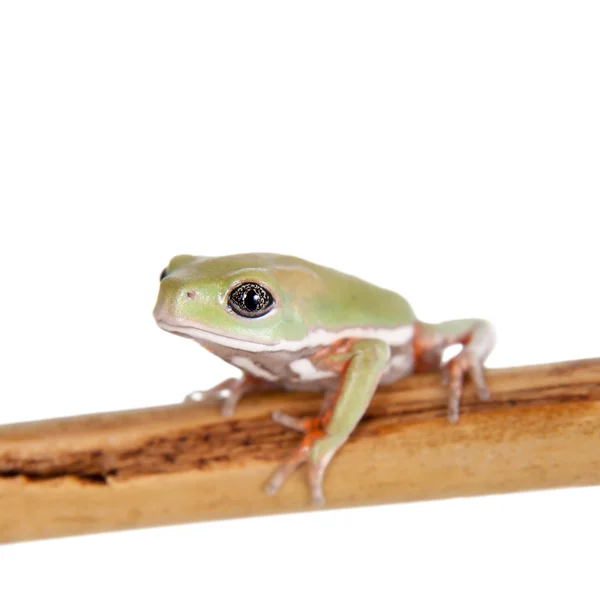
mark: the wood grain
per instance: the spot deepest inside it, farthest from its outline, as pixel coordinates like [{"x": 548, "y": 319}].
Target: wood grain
[{"x": 185, "y": 463}]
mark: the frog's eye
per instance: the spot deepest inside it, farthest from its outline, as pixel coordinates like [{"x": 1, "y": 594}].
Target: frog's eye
[
  {"x": 250, "y": 300},
  {"x": 163, "y": 274}
]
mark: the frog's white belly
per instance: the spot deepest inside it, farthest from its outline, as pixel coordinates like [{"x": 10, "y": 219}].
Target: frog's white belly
[
  {"x": 252, "y": 367},
  {"x": 306, "y": 370},
  {"x": 297, "y": 370},
  {"x": 399, "y": 365},
  {"x": 301, "y": 373}
]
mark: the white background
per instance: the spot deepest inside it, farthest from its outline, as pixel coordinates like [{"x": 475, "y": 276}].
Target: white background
[{"x": 448, "y": 150}]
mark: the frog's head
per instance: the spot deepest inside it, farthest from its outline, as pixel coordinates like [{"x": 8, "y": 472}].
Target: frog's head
[{"x": 241, "y": 301}]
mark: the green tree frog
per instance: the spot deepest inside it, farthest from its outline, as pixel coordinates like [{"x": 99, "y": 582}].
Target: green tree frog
[{"x": 290, "y": 324}]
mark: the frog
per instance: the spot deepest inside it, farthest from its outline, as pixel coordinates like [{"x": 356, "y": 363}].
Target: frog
[{"x": 291, "y": 324}]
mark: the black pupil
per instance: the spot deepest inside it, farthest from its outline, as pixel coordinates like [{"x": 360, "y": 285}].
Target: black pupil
[{"x": 250, "y": 300}]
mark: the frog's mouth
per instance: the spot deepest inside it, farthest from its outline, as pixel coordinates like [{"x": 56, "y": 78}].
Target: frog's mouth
[
  {"x": 206, "y": 335},
  {"x": 317, "y": 338}
]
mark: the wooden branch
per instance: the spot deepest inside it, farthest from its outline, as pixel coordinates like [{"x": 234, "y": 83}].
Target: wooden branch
[{"x": 185, "y": 463}]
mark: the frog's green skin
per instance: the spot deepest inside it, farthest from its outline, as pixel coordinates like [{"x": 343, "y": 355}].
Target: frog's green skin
[{"x": 325, "y": 331}]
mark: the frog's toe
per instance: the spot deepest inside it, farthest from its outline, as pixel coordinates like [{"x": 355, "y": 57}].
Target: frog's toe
[
  {"x": 286, "y": 469},
  {"x": 316, "y": 471},
  {"x": 453, "y": 376},
  {"x": 478, "y": 378},
  {"x": 196, "y": 396},
  {"x": 229, "y": 403},
  {"x": 295, "y": 423},
  {"x": 204, "y": 396}
]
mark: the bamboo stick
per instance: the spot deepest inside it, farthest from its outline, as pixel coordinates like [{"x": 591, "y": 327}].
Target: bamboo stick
[{"x": 185, "y": 463}]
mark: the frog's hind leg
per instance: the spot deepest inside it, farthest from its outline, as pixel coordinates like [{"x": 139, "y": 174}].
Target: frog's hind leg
[
  {"x": 361, "y": 363},
  {"x": 477, "y": 339}
]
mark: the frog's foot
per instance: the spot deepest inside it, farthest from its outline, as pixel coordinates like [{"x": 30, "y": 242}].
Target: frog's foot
[
  {"x": 227, "y": 394},
  {"x": 363, "y": 363},
  {"x": 453, "y": 375},
  {"x": 316, "y": 448}
]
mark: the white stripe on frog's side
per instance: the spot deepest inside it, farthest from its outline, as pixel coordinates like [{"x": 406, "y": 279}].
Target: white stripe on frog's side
[
  {"x": 396, "y": 336},
  {"x": 247, "y": 365},
  {"x": 307, "y": 370}
]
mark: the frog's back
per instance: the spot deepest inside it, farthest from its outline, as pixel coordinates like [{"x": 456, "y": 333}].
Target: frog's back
[{"x": 352, "y": 302}]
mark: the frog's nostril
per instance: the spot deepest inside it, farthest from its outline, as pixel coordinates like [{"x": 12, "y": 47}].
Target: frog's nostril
[{"x": 191, "y": 294}]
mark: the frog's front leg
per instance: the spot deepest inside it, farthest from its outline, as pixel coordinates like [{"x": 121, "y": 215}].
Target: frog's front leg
[
  {"x": 229, "y": 392},
  {"x": 477, "y": 339},
  {"x": 360, "y": 364}
]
